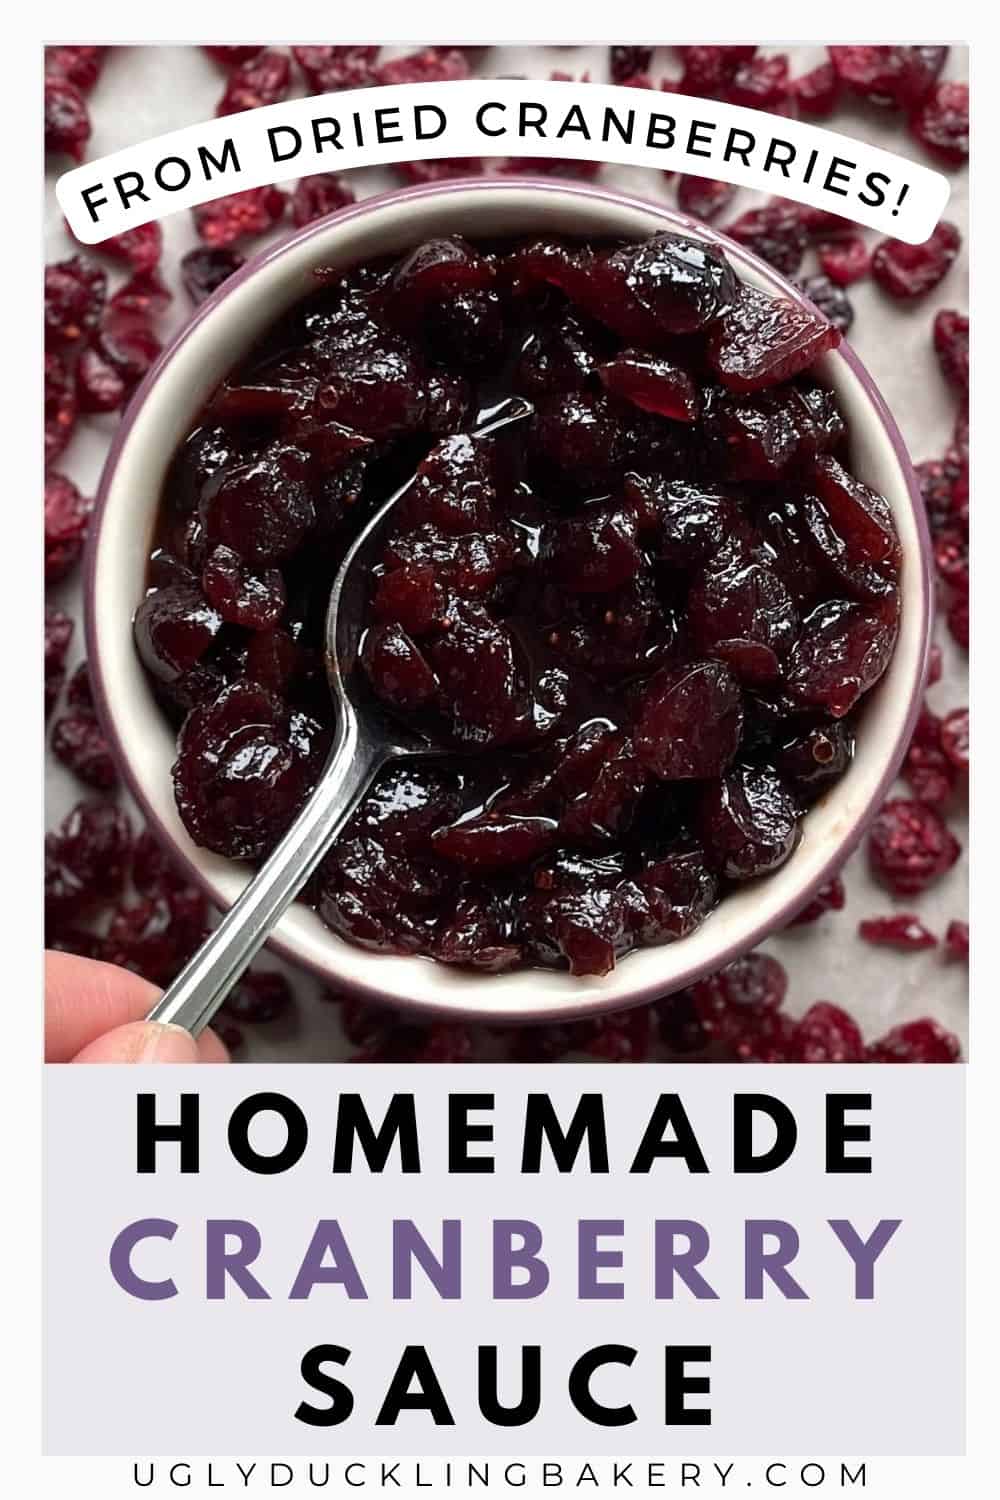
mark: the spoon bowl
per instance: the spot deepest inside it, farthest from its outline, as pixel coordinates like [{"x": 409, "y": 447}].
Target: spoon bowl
[{"x": 366, "y": 738}]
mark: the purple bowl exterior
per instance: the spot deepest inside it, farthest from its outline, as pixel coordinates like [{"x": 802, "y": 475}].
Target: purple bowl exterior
[{"x": 592, "y": 1004}]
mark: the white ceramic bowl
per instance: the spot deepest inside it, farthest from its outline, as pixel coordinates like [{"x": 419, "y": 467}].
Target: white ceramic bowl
[{"x": 163, "y": 411}]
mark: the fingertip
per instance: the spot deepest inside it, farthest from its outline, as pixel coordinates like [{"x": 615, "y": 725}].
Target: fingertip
[
  {"x": 211, "y": 1048},
  {"x": 141, "y": 1042}
]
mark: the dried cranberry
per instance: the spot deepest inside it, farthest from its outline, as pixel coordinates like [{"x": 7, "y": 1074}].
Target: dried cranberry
[
  {"x": 817, "y": 92},
  {"x": 951, "y": 344},
  {"x": 760, "y": 83},
  {"x": 58, "y": 634},
  {"x": 708, "y": 70},
  {"x": 67, "y": 121},
  {"x": 204, "y": 270},
  {"x": 941, "y": 124},
  {"x": 689, "y": 721},
  {"x": 78, "y": 742},
  {"x": 77, "y": 65},
  {"x": 397, "y": 668},
  {"x": 775, "y": 232},
  {"x": 764, "y": 340},
  {"x": 138, "y": 248},
  {"x": 242, "y": 597},
  {"x": 238, "y": 216},
  {"x": 99, "y": 385},
  {"x": 927, "y": 769},
  {"x": 261, "y": 510},
  {"x": 60, "y": 405},
  {"x": 261, "y": 995},
  {"x": 260, "y": 80},
  {"x": 232, "y": 56},
  {"x": 829, "y": 897},
  {"x": 842, "y": 651},
  {"x": 916, "y": 1042},
  {"x": 956, "y": 940},
  {"x": 80, "y": 692},
  {"x": 433, "y": 65},
  {"x": 67, "y": 516},
  {"x": 845, "y": 261},
  {"x": 244, "y": 766},
  {"x": 315, "y": 197},
  {"x": 152, "y": 939},
  {"x": 75, "y": 290},
  {"x": 683, "y": 284},
  {"x": 830, "y": 299},
  {"x": 723, "y": 1008},
  {"x": 906, "y": 271},
  {"x": 85, "y": 861},
  {"x": 327, "y": 69},
  {"x": 128, "y": 351},
  {"x": 748, "y": 822},
  {"x": 626, "y": 61},
  {"x": 958, "y": 621},
  {"x": 910, "y": 847},
  {"x": 704, "y": 197},
  {"x": 955, "y": 738},
  {"x": 812, "y": 755},
  {"x": 826, "y": 1034},
  {"x": 951, "y": 557},
  {"x": 174, "y": 627},
  {"x": 901, "y": 930},
  {"x": 655, "y": 384}
]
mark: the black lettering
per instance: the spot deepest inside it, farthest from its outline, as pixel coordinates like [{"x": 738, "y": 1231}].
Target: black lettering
[
  {"x": 229, "y": 159},
  {"x": 481, "y": 125},
  {"x": 296, "y": 1140},
  {"x": 541, "y": 1123},
  {"x": 700, "y": 134},
  {"x": 838, "y": 1132},
  {"x": 678, "y": 1384},
  {"x": 278, "y": 153},
  {"x": 623, "y": 128},
  {"x": 168, "y": 161},
  {"x": 669, "y": 1113},
  {"x": 784, "y": 160},
  {"x": 148, "y": 1132},
  {"x": 745, "y": 1106},
  {"x": 428, "y": 1396},
  {"x": 326, "y": 132},
  {"x": 875, "y": 185},
  {"x": 835, "y": 173},
  {"x": 92, "y": 201},
  {"x": 532, "y": 117},
  {"x": 530, "y": 1399},
  {"x": 461, "y": 1133},
  {"x": 579, "y": 1385},
  {"x": 431, "y": 134},
  {"x": 341, "y": 1400},
  {"x": 660, "y": 132},
  {"x": 125, "y": 192},
  {"x": 732, "y": 149},
  {"x": 386, "y": 121},
  {"x": 400, "y": 1124}
]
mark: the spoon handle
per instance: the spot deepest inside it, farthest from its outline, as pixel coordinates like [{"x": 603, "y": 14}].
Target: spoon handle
[{"x": 199, "y": 989}]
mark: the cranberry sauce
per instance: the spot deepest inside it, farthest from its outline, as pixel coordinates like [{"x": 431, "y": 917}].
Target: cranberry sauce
[{"x": 649, "y": 612}]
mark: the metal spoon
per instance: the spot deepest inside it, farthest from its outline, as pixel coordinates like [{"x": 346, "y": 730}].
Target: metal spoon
[{"x": 365, "y": 739}]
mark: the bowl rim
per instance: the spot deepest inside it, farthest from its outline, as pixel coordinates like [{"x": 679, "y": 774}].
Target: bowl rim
[{"x": 591, "y": 1003}]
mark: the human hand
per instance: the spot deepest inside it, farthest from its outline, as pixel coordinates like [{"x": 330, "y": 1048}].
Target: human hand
[{"x": 94, "y": 1013}]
